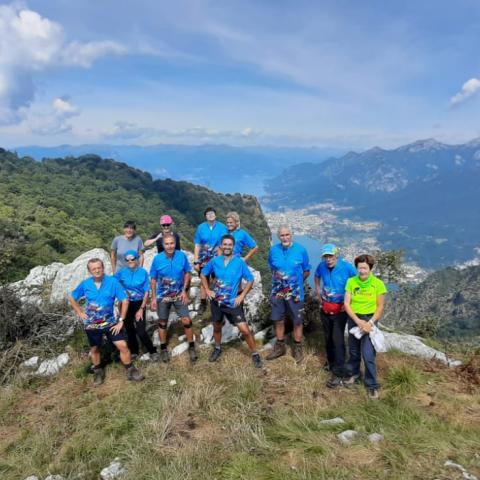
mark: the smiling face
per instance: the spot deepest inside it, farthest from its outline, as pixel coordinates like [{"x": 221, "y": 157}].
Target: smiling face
[
  {"x": 129, "y": 231},
  {"x": 169, "y": 245},
  {"x": 330, "y": 260},
  {"x": 231, "y": 224},
  {"x": 363, "y": 270},
  {"x": 227, "y": 247},
  {"x": 285, "y": 237}
]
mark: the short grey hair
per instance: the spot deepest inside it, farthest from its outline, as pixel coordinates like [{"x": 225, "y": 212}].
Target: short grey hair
[
  {"x": 284, "y": 227},
  {"x": 235, "y": 217}
]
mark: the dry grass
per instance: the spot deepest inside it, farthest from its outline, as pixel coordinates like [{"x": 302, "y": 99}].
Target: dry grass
[{"x": 230, "y": 421}]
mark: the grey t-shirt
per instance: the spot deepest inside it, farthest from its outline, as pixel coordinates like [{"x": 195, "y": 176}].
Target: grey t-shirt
[{"x": 121, "y": 245}]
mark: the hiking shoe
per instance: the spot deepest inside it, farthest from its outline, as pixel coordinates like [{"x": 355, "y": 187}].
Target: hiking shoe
[
  {"x": 99, "y": 376},
  {"x": 134, "y": 375},
  {"x": 215, "y": 355},
  {"x": 192, "y": 354},
  {"x": 164, "y": 356},
  {"x": 373, "y": 394},
  {"x": 297, "y": 352},
  {"x": 335, "y": 382},
  {"x": 352, "y": 380},
  {"x": 278, "y": 350},
  {"x": 257, "y": 360}
]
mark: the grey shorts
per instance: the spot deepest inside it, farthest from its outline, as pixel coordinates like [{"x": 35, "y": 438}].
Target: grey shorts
[
  {"x": 163, "y": 309},
  {"x": 282, "y": 307}
]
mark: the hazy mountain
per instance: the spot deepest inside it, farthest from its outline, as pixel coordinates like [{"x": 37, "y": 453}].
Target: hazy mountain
[
  {"x": 425, "y": 194},
  {"x": 221, "y": 167}
]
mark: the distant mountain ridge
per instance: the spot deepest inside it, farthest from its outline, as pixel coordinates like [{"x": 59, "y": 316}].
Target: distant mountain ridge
[
  {"x": 425, "y": 194},
  {"x": 224, "y": 168}
]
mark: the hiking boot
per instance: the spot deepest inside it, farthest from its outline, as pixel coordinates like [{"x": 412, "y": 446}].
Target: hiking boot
[
  {"x": 373, "y": 394},
  {"x": 257, "y": 361},
  {"x": 164, "y": 356},
  {"x": 352, "y": 380},
  {"x": 134, "y": 375},
  {"x": 192, "y": 354},
  {"x": 297, "y": 352},
  {"x": 215, "y": 355},
  {"x": 99, "y": 376},
  {"x": 335, "y": 382},
  {"x": 278, "y": 350}
]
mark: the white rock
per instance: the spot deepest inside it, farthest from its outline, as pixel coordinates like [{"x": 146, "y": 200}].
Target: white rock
[
  {"x": 68, "y": 277},
  {"x": 413, "y": 345},
  {"x": 145, "y": 357},
  {"x": 53, "y": 366},
  {"x": 179, "y": 349},
  {"x": 32, "y": 477},
  {"x": 172, "y": 383},
  {"x": 375, "y": 438},
  {"x": 465, "y": 473},
  {"x": 31, "y": 363},
  {"x": 114, "y": 470},
  {"x": 182, "y": 338},
  {"x": 54, "y": 477},
  {"x": 229, "y": 333},
  {"x": 261, "y": 334},
  {"x": 254, "y": 298},
  {"x": 333, "y": 421},
  {"x": 347, "y": 436}
]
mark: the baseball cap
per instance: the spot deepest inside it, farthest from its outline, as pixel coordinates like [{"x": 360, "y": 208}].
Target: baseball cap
[
  {"x": 131, "y": 253},
  {"x": 166, "y": 220},
  {"x": 329, "y": 249}
]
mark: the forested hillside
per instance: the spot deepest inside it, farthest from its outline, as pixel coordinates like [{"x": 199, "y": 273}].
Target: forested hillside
[{"x": 56, "y": 209}]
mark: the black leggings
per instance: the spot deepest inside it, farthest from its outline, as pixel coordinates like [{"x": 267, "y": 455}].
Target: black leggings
[{"x": 135, "y": 328}]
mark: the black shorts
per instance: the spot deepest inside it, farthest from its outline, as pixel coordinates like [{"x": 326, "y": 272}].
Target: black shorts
[
  {"x": 280, "y": 307},
  {"x": 234, "y": 314},
  {"x": 95, "y": 336}
]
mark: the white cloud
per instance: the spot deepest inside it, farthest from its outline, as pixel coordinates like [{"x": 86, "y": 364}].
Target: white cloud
[
  {"x": 132, "y": 131},
  {"x": 469, "y": 88},
  {"x": 50, "y": 120},
  {"x": 30, "y": 43}
]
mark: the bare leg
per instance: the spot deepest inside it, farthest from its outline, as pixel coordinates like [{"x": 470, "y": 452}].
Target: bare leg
[
  {"x": 162, "y": 332},
  {"x": 95, "y": 352},
  {"x": 243, "y": 327},
  {"x": 298, "y": 332},
  {"x": 280, "y": 329},
  {"x": 188, "y": 329},
  {"x": 125, "y": 356},
  {"x": 217, "y": 332}
]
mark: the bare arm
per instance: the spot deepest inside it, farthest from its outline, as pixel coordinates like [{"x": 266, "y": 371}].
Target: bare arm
[
  {"x": 113, "y": 259},
  {"x": 250, "y": 253},
  {"x": 153, "y": 294},
  {"x": 196, "y": 253},
  {"x": 317, "y": 287},
  {"x": 306, "y": 274},
  {"x": 206, "y": 286},
  {"x": 141, "y": 257},
  {"x": 77, "y": 308},
  {"x": 239, "y": 300},
  {"x": 186, "y": 286},
  {"x": 139, "y": 314}
]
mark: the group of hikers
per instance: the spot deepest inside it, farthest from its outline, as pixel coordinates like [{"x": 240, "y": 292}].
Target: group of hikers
[{"x": 347, "y": 294}]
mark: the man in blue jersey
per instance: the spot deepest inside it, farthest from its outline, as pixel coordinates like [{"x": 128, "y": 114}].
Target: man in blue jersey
[
  {"x": 169, "y": 282},
  {"x": 290, "y": 268},
  {"x": 242, "y": 238},
  {"x": 330, "y": 279},
  {"x": 207, "y": 244},
  {"x": 100, "y": 292},
  {"x": 229, "y": 270}
]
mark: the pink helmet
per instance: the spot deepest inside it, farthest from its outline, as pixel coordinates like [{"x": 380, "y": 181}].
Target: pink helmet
[{"x": 166, "y": 220}]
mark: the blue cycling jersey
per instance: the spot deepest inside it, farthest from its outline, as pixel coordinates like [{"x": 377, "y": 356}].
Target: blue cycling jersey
[
  {"x": 209, "y": 239},
  {"x": 99, "y": 301},
  {"x": 227, "y": 278},
  {"x": 169, "y": 273},
  {"x": 242, "y": 240},
  {"x": 333, "y": 281},
  {"x": 136, "y": 282},
  {"x": 288, "y": 265}
]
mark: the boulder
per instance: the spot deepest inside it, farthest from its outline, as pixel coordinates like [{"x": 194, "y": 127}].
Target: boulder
[
  {"x": 31, "y": 363},
  {"x": 413, "y": 345},
  {"x": 179, "y": 349},
  {"x": 229, "y": 333},
  {"x": 69, "y": 276},
  {"x": 347, "y": 436},
  {"x": 51, "y": 367},
  {"x": 375, "y": 438}
]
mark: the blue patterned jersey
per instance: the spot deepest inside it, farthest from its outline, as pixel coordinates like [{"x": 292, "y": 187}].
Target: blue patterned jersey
[
  {"x": 135, "y": 282},
  {"x": 169, "y": 273}
]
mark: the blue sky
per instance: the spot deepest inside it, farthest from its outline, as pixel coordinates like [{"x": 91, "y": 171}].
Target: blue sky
[{"x": 343, "y": 74}]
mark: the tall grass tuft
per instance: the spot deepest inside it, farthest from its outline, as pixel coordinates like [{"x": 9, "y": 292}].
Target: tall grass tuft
[{"x": 402, "y": 380}]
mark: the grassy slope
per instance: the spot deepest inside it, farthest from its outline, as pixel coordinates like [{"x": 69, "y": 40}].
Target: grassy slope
[{"x": 228, "y": 421}]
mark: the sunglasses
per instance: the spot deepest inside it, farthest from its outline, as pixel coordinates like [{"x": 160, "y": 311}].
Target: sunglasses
[
  {"x": 166, "y": 224},
  {"x": 130, "y": 259}
]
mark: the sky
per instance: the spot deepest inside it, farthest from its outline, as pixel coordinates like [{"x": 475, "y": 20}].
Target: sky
[{"x": 343, "y": 74}]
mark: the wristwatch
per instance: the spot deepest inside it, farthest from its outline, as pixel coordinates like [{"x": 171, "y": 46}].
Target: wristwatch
[{"x": 120, "y": 319}]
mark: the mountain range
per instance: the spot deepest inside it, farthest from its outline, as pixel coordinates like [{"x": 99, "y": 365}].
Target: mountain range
[
  {"x": 223, "y": 168},
  {"x": 425, "y": 195}
]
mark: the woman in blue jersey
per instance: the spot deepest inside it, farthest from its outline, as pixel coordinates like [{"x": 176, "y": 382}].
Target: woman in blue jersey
[
  {"x": 242, "y": 238},
  {"x": 136, "y": 281}
]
